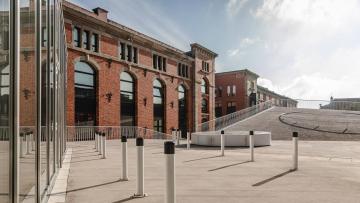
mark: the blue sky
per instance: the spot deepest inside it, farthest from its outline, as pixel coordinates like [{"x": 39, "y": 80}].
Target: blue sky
[{"x": 306, "y": 49}]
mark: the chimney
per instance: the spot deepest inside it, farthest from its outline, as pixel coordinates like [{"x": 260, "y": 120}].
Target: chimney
[{"x": 102, "y": 13}]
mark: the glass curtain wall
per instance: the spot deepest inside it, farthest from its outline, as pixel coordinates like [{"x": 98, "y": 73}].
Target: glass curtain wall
[
  {"x": 32, "y": 102},
  {"x": 4, "y": 101}
]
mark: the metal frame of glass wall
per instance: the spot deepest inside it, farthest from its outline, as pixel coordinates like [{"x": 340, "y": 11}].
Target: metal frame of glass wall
[{"x": 32, "y": 98}]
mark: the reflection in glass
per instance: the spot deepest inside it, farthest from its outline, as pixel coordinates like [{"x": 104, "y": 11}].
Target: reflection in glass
[
  {"x": 4, "y": 101},
  {"x": 158, "y": 100},
  {"x": 127, "y": 100},
  {"x": 27, "y": 99}
]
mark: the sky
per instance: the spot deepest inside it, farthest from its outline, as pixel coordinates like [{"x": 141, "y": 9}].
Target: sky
[{"x": 304, "y": 49}]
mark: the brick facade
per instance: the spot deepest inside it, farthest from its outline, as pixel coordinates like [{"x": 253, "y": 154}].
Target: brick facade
[
  {"x": 109, "y": 66},
  {"x": 242, "y": 80}
]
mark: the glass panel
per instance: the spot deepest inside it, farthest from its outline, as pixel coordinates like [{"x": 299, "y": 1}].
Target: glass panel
[
  {"x": 158, "y": 106},
  {"x": 28, "y": 100},
  {"x": 85, "y": 39},
  {"x": 85, "y": 96},
  {"x": 84, "y": 79},
  {"x": 127, "y": 86},
  {"x": 44, "y": 135},
  {"x": 182, "y": 122},
  {"x": 126, "y": 77},
  {"x": 83, "y": 67},
  {"x": 4, "y": 101}
]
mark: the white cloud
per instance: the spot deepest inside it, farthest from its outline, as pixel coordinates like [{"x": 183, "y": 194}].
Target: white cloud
[
  {"x": 234, "y": 6},
  {"x": 315, "y": 12},
  {"x": 233, "y": 52},
  {"x": 245, "y": 42},
  {"x": 317, "y": 50}
]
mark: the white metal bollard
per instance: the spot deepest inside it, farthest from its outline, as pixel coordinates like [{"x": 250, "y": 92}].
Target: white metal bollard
[
  {"x": 178, "y": 134},
  {"x": 251, "y": 145},
  {"x": 32, "y": 141},
  {"x": 222, "y": 143},
  {"x": 104, "y": 146},
  {"x": 21, "y": 145},
  {"x": 124, "y": 158},
  {"x": 140, "y": 168},
  {"x": 27, "y": 138},
  {"x": 173, "y": 133},
  {"x": 296, "y": 153},
  {"x": 100, "y": 143},
  {"x": 170, "y": 192},
  {"x": 188, "y": 140},
  {"x": 96, "y": 142}
]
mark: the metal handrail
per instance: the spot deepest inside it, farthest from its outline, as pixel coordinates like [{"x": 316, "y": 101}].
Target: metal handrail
[
  {"x": 85, "y": 133},
  {"x": 227, "y": 120}
]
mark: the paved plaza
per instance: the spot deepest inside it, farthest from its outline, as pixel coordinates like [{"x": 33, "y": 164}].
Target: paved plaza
[
  {"x": 328, "y": 172},
  {"x": 312, "y": 124}
]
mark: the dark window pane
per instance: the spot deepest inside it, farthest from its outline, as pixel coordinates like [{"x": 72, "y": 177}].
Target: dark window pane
[
  {"x": 135, "y": 55},
  {"x": 95, "y": 42}
]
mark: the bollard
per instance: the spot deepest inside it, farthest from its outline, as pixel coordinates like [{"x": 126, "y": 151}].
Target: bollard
[
  {"x": 100, "y": 145},
  {"x": 296, "y": 154},
  {"x": 251, "y": 145},
  {"x": 140, "y": 168},
  {"x": 96, "y": 142},
  {"x": 178, "y": 134},
  {"x": 95, "y": 139},
  {"x": 27, "y": 138},
  {"x": 32, "y": 141},
  {"x": 173, "y": 133},
  {"x": 188, "y": 140},
  {"x": 124, "y": 158},
  {"x": 169, "y": 151},
  {"x": 21, "y": 145},
  {"x": 104, "y": 145},
  {"x": 222, "y": 143}
]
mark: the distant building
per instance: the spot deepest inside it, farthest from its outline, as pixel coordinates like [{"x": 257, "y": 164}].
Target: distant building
[
  {"x": 351, "y": 104},
  {"x": 236, "y": 90},
  {"x": 264, "y": 94}
]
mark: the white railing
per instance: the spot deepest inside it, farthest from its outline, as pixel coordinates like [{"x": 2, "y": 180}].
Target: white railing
[
  {"x": 85, "y": 133},
  {"x": 227, "y": 120}
]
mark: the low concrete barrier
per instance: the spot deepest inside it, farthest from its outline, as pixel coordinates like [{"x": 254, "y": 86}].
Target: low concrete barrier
[{"x": 232, "y": 138}]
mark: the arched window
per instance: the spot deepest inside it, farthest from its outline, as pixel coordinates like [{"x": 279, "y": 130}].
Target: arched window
[
  {"x": 85, "y": 94},
  {"x": 4, "y": 94},
  {"x": 204, "y": 106},
  {"x": 158, "y": 100},
  {"x": 204, "y": 87},
  {"x": 128, "y": 108},
  {"x": 182, "y": 110}
]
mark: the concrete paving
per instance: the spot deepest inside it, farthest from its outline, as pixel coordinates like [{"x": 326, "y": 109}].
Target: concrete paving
[
  {"x": 316, "y": 121},
  {"x": 328, "y": 172}
]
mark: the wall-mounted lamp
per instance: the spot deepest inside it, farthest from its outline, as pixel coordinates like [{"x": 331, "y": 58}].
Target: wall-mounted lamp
[
  {"x": 172, "y": 104},
  {"x": 109, "y": 62},
  {"x": 26, "y": 55},
  {"x": 145, "y": 71},
  {"x": 27, "y": 93},
  {"x": 108, "y": 96},
  {"x": 145, "y": 100},
  {"x": 172, "y": 79}
]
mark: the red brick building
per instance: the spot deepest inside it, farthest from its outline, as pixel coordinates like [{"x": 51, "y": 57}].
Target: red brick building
[
  {"x": 117, "y": 76},
  {"x": 235, "y": 90}
]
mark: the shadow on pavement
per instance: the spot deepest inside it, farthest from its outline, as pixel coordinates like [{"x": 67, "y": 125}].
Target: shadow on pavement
[
  {"x": 227, "y": 166},
  {"x": 273, "y": 178},
  {"x": 211, "y": 157}
]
